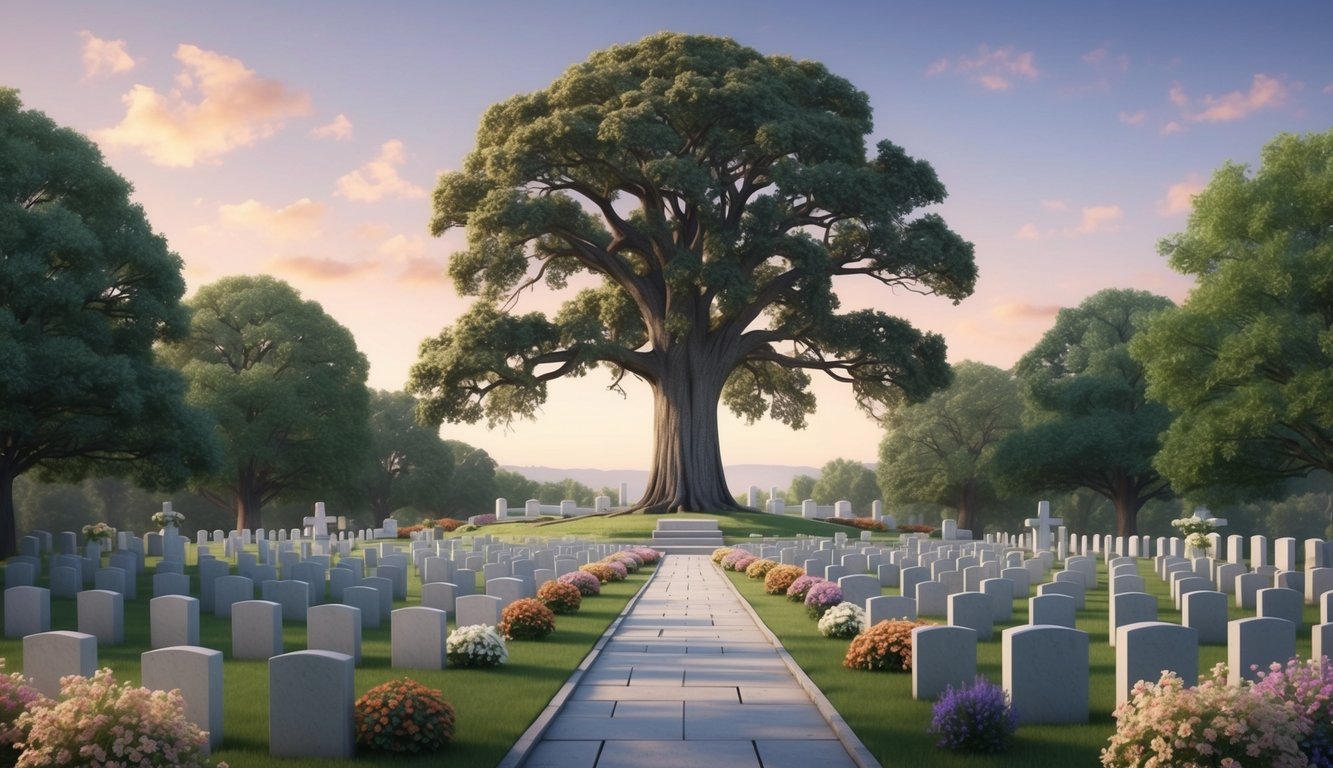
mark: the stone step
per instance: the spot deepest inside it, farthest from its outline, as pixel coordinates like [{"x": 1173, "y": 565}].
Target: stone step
[
  {"x": 686, "y": 549},
  {"x": 687, "y": 541},
  {"x": 687, "y": 525},
  {"x": 660, "y": 534}
]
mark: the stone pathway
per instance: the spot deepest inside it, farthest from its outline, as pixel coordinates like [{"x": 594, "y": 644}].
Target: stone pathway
[{"x": 688, "y": 678}]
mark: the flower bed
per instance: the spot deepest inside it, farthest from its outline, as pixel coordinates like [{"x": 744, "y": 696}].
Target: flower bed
[
  {"x": 974, "y": 718},
  {"x": 842, "y": 620},
  {"x": 760, "y": 568},
  {"x": 822, "y": 597},
  {"x": 863, "y": 523},
  {"x": 602, "y": 571},
  {"x": 403, "y": 716},
  {"x": 780, "y": 579},
  {"x": 526, "y": 619},
  {"x": 798, "y": 589},
  {"x": 587, "y": 583},
  {"x": 560, "y": 597},
  {"x": 884, "y": 646},
  {"x": 476, "y": 645}
]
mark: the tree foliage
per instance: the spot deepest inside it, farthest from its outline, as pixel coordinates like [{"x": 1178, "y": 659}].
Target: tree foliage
[
  {"x": 407, "y": 463},
  {"x": 86, "y": 289},
  {"x": 1091, "y": 425},
  {"x": 287, "y": 387},
  {"x": 472, "y": 490},
  {"x": 702, "y": 197},
  {"x": 941, "y": 450},
  {"x": 1247, "y": 361},
  {"x": 802, "y": 487},
  {"x": 847, "y": 480}
]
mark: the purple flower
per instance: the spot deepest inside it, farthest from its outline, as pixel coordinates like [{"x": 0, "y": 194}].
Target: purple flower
[
  {"x": 821, "y": 597},
  {"x": 796, "y": 592},
  {"x": 974, "y": 718}
]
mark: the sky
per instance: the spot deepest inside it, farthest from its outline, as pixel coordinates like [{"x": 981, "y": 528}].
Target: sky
[{"x": 302, "y": 140}]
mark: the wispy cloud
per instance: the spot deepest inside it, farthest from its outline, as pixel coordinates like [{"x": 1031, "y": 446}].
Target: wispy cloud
[
  {"x": 104, "y": 57},
  {"x": 1328, "y": 89},
  {"x": 217, "y": 105},
  {"x": 1172, "y": 127},
  {"x": 379, "y": 178},
  {"x": 1099, "y": 218},
  {"x": 339, "y": 129},
  {"x": 1055, "y": 205},
  {"x": 1020, "y": 310},
  {"x": 1029, "y": 231},
  {"x": 1180, "y": 197},
  {"x": 316, "y": 268},
  {"x": 425, "y": 271},
  {"x": 995, "y": 69},
  {"x": 1103, "y": 58},
  {"x": 1264, "y": 93},
  {"x": 299, "y": 221},
  {"x": 1133, "y": 118}
]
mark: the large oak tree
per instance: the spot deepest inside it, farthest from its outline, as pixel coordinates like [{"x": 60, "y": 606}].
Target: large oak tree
[
  {"x": 86, "y": 289},
  {"x": 1247, "y": 360},
  {"x": 708, "y": 195},
  {"x": 287, "y": 387},
  {"x": 408, "y": 465}
]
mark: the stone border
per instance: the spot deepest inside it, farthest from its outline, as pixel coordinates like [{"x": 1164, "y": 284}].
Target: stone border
[
  {"x": 518, "y": 754},
  {"x": 846, "y": 736}
]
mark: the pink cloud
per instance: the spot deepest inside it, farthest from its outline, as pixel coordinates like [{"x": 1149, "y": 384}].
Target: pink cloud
[
  {"x": 1019, "y": 310},
  {"x": 217, "y": 106},
  {"x": 1172, "y": 127},
  {"x": 424, "y": 271},
  {"x": 1264, "y": 93},
  {"x": 340, "y": 129},
  {"x": 299, "y": 221},
  {"x": 315, "y": 268},
  {"x": 1179, "y": 197},
  {"x": 1103, "y": 58},
  {"x": 379, "y": 178},
  {"x": 101, "y": 57},
  {"x": 1328, "y": 89},
  {"x": 1133, "y": 118},
  {"x": 1099, "y": 218},
  {"x": 995, "y": 69},
  {"x": 1029, "y": 232},
  {"x": 1055, "y": 205}
]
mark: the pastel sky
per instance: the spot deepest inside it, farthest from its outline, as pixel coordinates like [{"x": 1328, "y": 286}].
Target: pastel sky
[{"x": 303, "y": 140}]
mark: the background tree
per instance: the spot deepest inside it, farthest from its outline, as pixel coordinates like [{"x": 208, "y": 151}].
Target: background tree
[
  {"x": 556, "y": 491},
  {"x": 1247, "y": 361},
  {"x": 515, "y": 488},
  {"x": 86, "y": 289},
  {"x": 287, "y": 388},
  {"x": 710, "y": 195},
  {"x": 802, "y": 487},
  {"x": 1091, "y": 426},
  {"x": 408, "y": 464},
  {"x": 844, "y": 479},
  {"x": 473, "y": 488},
  {"x": 940, "y": 450}
]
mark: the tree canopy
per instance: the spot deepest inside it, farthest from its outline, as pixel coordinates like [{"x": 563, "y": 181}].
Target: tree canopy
[
  {"x": 844, "y": 479},
  {"x": 1090, "y": 424},
  {"x": 941, "y": 450},
  {"x": 701, "y": 197},
  {"x": 86, "y": 289},
  {"x": 407, "y": 464},
  {"x": 287, "y": 387},
  {"x": 1247, "y": 360},
  {"x": 472, "y": 489}
]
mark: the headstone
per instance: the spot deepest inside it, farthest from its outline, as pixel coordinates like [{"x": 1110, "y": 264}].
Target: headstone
[
  {"x": 1284, "y": 553},
  {"x": 1001, "y": 594},
  {"x": 27, "y": 611},
  {"x": 1130, "y": 608},
  {"x": 1281, "y": 604},
  {"x": 932, "y": 599},
  {"x": 1041, "y": 526},
  {"x": 48, "y": 656},
  {"x": 1054, "y": 610},
  {"x": 319, "y": 527},
  {"x": 887, "y": 607},
  {"x": 507, "y": 589},
  {"x": 101, "y": 614},
  {"x": 1190, "y": 584},
  {"x": 417, "y": 638},
  {"x": 1034, "y": 656},
  {"x": 367, "y": 601},
  {"x": 311, "y": 698},
  {"x": 942, "y": 656},
  {"x": 1256, "y": 642},
  {"x": 1067, "y": 588},
  {"x": 1225, "y": 580},
  {"x": 292, "y": 595},
  {"x": 1317, "y": 582},
  {"x": 1247, "y": 589},
  {"x": 228, "y": 590},
  {"x": 65, "y": 582},
  {"x": 477, "y": 609},
  {"x": 197, "y": 673},
  {"x": 1145, "y": 649},
  {"x": 209, "y": 572},
  {"x": 859, "y": 588},
  {"x": 1021, "y": 579},
  {"x": 1206, "y": 613},
  {"x": 972, "y": 610},
  {"x": 1321, "y": 640},
  {"x": 112, "y": 580},
  {"x": 334, "y": 628},
  {"x": 385, "y": 588},
  {"x": 312, "y": 573},
  {"x": 256, "y": 629}
]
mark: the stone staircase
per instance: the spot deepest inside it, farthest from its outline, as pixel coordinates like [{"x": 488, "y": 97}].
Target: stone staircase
[{"x": 686, "y": 537}]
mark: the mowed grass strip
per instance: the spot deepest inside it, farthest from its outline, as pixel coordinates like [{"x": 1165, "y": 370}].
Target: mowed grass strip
[
  {"x": 879, "y": 706},
  {"x": 495, "y": 706}
]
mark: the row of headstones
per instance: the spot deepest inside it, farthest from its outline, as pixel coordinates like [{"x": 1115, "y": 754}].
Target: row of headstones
[{"x": 312, "y": 693}]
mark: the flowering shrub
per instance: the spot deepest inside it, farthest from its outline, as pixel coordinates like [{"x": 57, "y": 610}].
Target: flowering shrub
[
  {"x": 821, "y": 597},
  {"x": 975, "y": 718},
  {"x": 602, "y": 571},
  {"x": 760, "y": 568},
  {"x": 427, "y": 522},
  {"x": 631, "y": 563},
  {"x": 737, "y": 560},
  {"x": 842, "y": 620},
  {"x": 443, "y": 524},
  {"x": 1309, "y": 686},
  {"x": 864, "y": 523},
  {"x": 476, "y": 645},
  {"x": 97, "y": 722},
  {"x": 720, "y": 553},
  {"x": 1195, "y": 530},
  {"x": 526, "y": 619},
  {"x": 16, "y": 696},
  {"x": 798, "y": 589},
  {"x": 915, "y": 528},
  {"x": 560, "y": 596},
  {"x": 779, "y": 580},
  {"x": 164, "y": 518},
  {"x": 647, "y": 555},
  {"x": 618, "y": 571},
  {"x": 1165, "y": 723},
  {"x": 588, "y": 584},
  {"x": 886, "y": 645},
  {"x": 97, "y": 532},
  {"x": 403, "y": 716}
]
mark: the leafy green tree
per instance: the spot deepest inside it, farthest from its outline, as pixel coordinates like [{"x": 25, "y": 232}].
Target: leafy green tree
[
  {"x": 1091, "y": 426},
  {"x": 715, "y": 193},
  {"x": 1247, "y": 361},
  {"x": 473, "y": 488},
  {"x": 408, "y": 464},
  {"x": 844, "y": 479},
  {"x": 287, "y": 387},
  {"x": 515, "y": 488},
  {"x": 802, "y": 487},
  {"x": 940, "y": 450},
  {"x": 86, "y": 289},
  {"x": 556, "y": 491}
]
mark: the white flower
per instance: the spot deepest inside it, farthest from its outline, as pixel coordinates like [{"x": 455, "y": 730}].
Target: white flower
[
  {"x": 842, "y": 620},
  {"x": 476, "y": 645}
]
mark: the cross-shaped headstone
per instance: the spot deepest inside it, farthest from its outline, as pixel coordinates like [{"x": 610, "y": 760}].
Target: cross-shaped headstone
[
  {"x": 1202, "y": 513},
  {"x": 319, "y": 524},
  {"x": 1041, "y": 526}
]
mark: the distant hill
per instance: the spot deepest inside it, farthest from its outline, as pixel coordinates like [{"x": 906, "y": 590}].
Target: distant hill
[{"x": 739, "y": 476}]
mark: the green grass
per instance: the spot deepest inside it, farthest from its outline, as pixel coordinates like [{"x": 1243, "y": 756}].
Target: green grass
[
  {"x": 879, "y": 706},
  {"x": 638, "y": 527},
  {"x": 494, "y": 706}
]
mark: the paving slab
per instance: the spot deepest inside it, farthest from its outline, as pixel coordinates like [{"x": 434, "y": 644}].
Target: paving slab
[{"x": 687, "y": 677}]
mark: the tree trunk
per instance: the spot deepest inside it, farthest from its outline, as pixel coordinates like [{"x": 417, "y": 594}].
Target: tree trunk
[
  {"x": 967, "y": 508},
  {"x": 248, "y": 506},
  {"x": 9, "y": 542},
  {"x": 687, "y": 469},
  {"x": 1127, "y": 504}
]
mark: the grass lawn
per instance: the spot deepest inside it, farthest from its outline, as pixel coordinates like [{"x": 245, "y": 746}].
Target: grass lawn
[
  {"x": 494, "y": 706},
  {"x": 638, "y": 527},
  {"x": 879, "y": 706}
]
